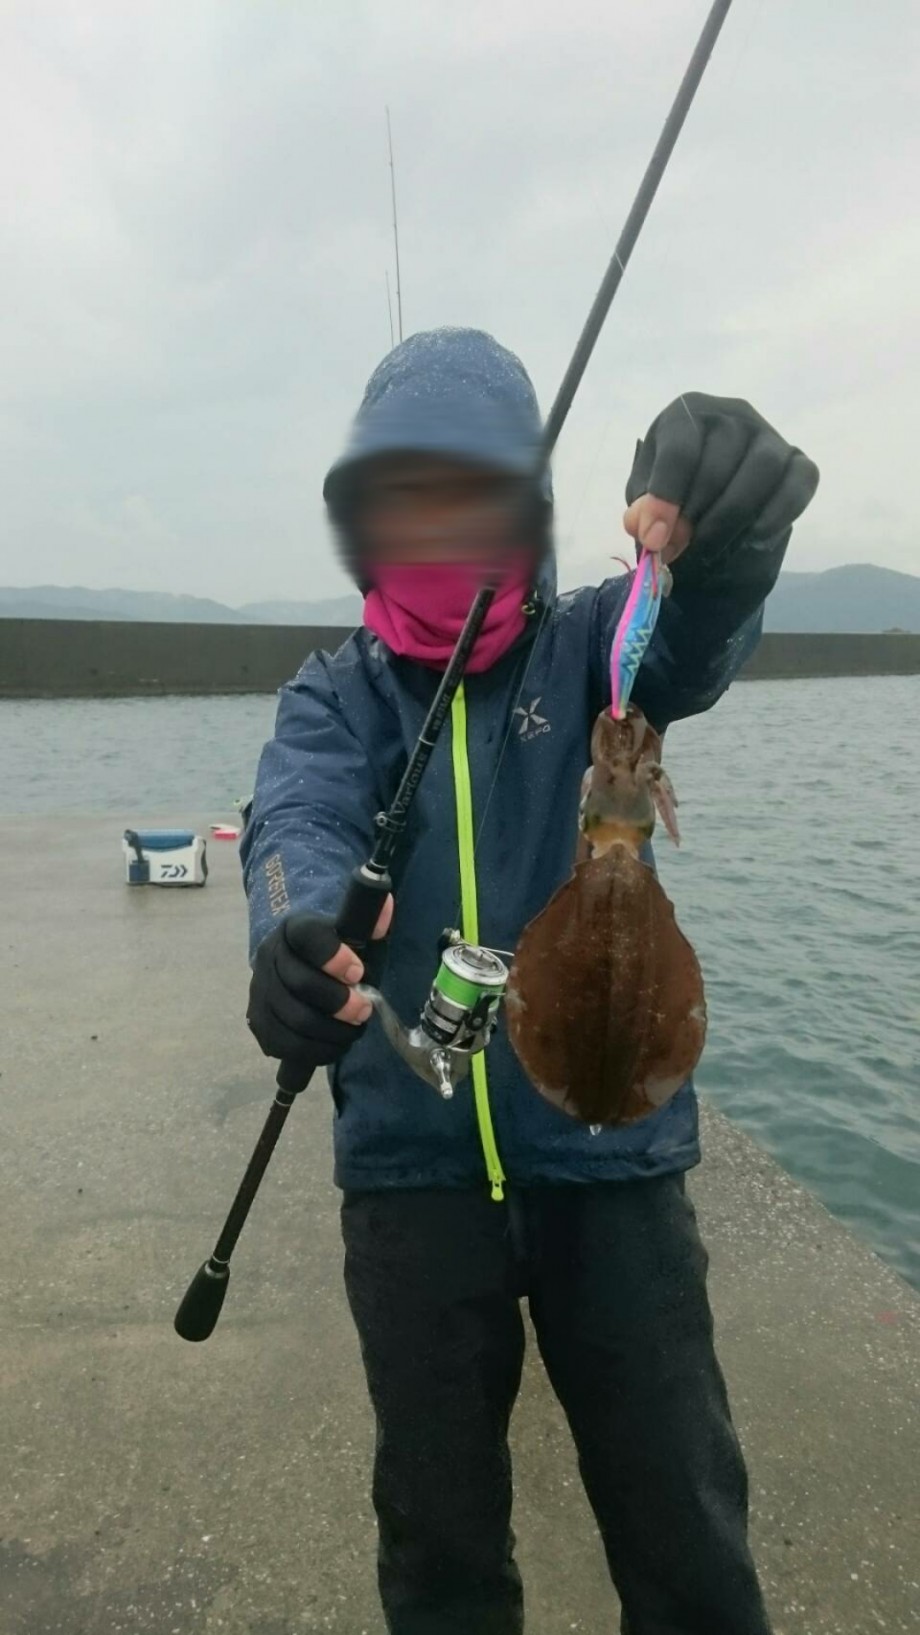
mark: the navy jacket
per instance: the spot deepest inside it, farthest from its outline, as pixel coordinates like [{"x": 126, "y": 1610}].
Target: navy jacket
[{"x": 508, "y": 768}]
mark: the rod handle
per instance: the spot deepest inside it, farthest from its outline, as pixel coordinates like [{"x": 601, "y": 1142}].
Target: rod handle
[
  {"x": 357, "y": 918},
  {"x": 355, "y": 923},
  {"x": 199, "y": 1310}
]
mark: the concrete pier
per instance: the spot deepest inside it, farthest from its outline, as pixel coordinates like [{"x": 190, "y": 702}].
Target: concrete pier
[{"x": 157, "y": 1488}]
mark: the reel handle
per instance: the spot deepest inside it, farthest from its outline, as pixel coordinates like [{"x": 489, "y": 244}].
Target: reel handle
[{"x": 356, "y": 921}]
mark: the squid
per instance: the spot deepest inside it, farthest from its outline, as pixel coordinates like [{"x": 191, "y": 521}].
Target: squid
[{"x": 605, "y": 1009}]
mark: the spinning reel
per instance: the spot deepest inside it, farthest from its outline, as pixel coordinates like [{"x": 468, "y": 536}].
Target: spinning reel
[{"x": 458, "y": 1017}]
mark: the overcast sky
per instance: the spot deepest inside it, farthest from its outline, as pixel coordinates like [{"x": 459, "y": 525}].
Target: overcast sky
[{"x": 195, "y": 234}]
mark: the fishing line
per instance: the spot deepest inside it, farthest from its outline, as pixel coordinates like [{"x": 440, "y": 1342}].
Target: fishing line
[
  {"x": 399, "y": 311},
  {"x": 515, "y": 704},
  {"x": 608, "y": 423},
  {"x": 610, "y": 283},
  {"x": 744, "y": 45},
  {"x": 390, "y": 311}
]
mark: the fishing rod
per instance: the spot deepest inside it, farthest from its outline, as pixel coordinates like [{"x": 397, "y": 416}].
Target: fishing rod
[{"x": 460, "y": 1013}]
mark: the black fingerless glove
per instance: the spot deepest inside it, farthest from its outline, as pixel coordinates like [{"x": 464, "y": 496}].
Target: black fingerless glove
[
  {"x": 292, "y": 1001},
  {"x": 732, "y": 475}
]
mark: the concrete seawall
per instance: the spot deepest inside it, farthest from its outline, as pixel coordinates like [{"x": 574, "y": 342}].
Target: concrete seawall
[
  {"x": 58, "y": 658},
  {"x": 86, "y": 658}
]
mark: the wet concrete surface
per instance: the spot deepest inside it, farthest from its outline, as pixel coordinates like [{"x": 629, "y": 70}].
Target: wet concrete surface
[{"x": 153, "y": 1486}]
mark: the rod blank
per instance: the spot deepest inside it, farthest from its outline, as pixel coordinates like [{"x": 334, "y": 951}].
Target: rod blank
[{"x": 648, "y": 187}]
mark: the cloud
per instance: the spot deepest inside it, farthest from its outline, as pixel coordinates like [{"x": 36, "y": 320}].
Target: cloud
[{"x": 196, "y": 232}]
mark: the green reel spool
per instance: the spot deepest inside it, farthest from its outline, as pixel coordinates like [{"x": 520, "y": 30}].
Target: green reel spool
[{"x": 462, "y": 1007}]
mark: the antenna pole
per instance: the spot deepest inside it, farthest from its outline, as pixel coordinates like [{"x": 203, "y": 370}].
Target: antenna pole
[{"x": 395, "y": 226}]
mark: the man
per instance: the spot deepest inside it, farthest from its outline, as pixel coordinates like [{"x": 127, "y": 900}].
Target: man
[{"x": 454, "y": 1211}]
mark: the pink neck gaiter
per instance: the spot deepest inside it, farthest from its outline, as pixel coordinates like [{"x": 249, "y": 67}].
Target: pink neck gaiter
[{"x": 419, "y": 610}]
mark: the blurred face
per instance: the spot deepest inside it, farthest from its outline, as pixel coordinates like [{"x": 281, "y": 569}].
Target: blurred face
[{"x": 418, "y": 509}]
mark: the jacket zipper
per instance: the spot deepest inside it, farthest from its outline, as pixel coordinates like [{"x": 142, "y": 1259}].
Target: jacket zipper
[{"x": 470, "y": 914}]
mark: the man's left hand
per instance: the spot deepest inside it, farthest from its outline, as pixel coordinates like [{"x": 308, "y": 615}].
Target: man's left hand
[{"x": 711, "y": 471}]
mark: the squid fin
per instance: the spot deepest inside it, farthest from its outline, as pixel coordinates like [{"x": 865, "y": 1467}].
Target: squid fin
[{"x": 666, "y": 803}]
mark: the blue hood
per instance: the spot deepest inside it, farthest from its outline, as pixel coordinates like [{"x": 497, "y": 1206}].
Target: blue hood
[{"x": 449, "y": 392}]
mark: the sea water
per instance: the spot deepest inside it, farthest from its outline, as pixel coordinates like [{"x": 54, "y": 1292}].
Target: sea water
[{"x": 797, "y": 882}]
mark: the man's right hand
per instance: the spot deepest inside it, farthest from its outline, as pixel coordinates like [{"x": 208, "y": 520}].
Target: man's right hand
[{"x": 301, "y": 1004}]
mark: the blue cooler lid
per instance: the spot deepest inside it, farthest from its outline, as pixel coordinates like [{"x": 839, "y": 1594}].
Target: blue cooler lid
[{"x": 163, "y": 840}]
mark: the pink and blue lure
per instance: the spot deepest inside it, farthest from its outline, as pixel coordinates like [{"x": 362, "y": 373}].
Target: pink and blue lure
[
  {"x": 631, "y": 638},
  {"x": 634, "y": 630}
]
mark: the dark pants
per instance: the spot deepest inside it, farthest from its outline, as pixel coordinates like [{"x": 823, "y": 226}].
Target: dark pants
[{"x": 615, "y": 1278}]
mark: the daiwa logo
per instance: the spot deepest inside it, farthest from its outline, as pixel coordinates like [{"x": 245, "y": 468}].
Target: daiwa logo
[{"x": 531, "y": 724}]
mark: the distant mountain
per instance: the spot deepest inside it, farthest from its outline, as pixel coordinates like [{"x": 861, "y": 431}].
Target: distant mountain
[
  {"x": 847, "y": 600},
  {"x": 853, "y": 599},
  {"x": 338, "y": 610},
  {"x": 76, "y": 602},
  {"x": 32, "y": 608}
]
